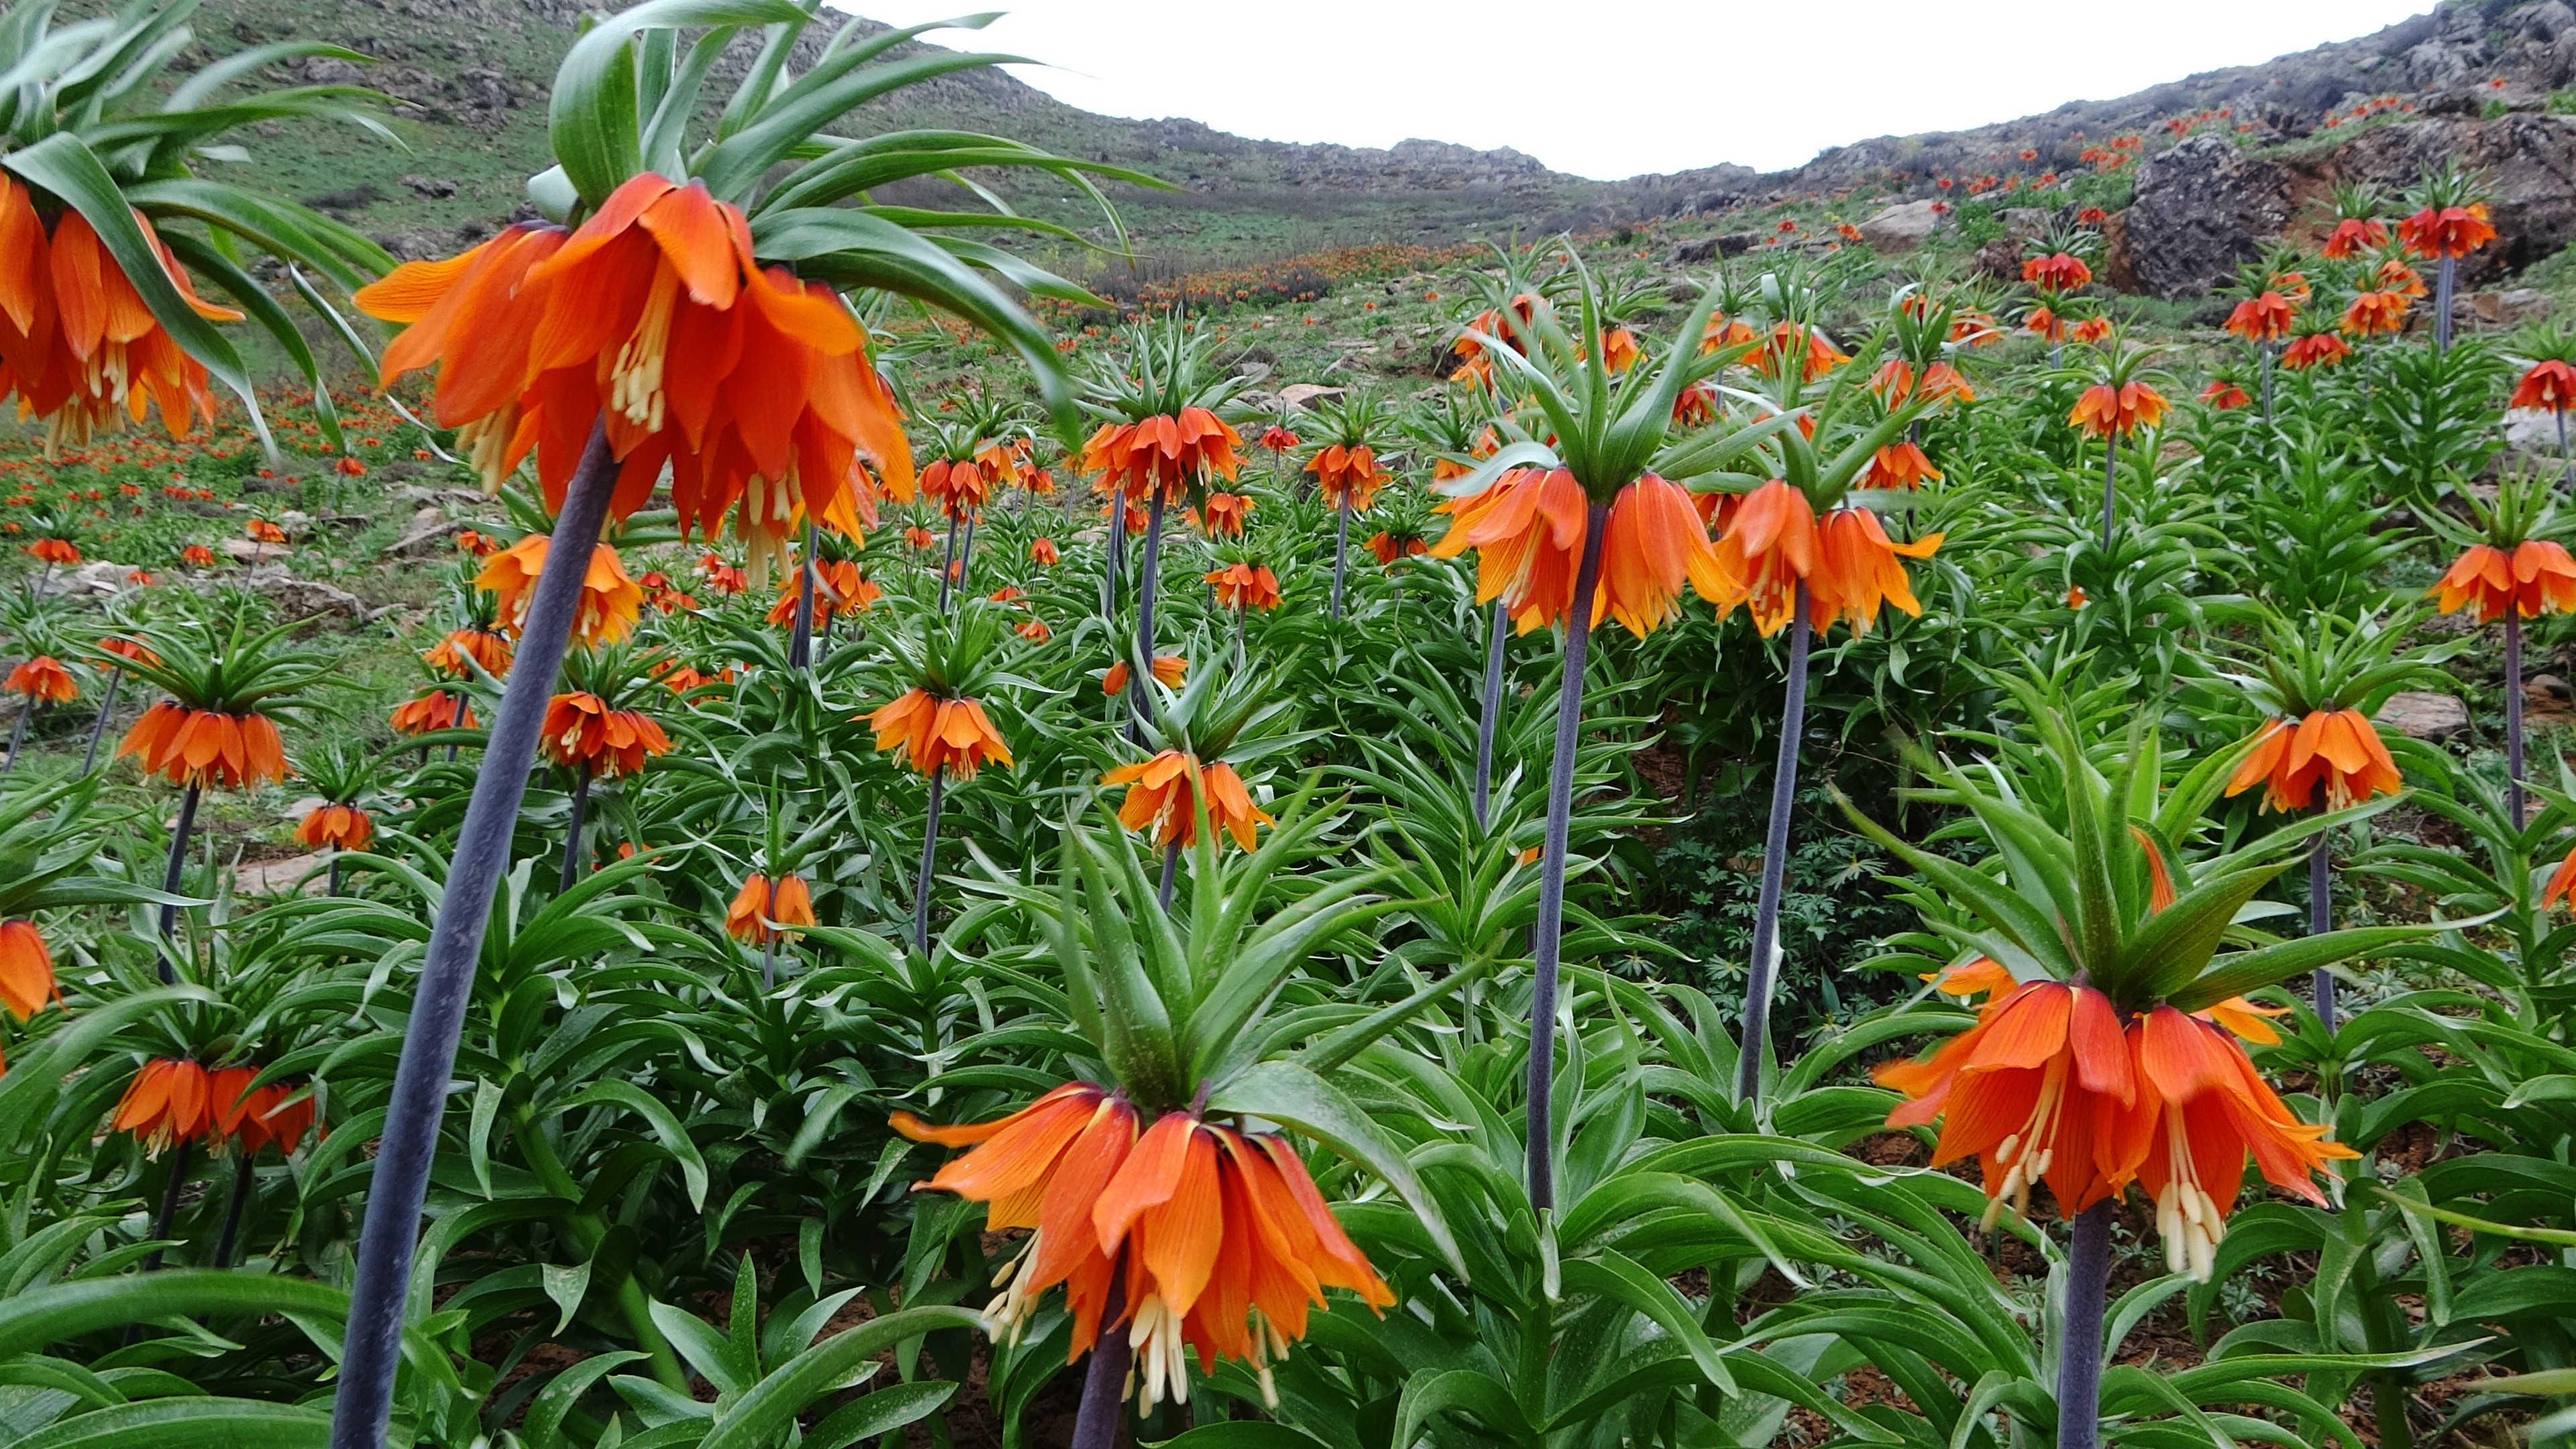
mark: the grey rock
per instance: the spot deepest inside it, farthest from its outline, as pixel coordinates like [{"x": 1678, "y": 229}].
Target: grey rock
[
  {"x": 2198, "y": 212},
  {"x": 1902, "y": 227},
  {"x": 2424, "y": 716}
]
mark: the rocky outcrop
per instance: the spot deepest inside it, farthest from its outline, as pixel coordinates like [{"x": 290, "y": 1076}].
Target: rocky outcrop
[
  {"x": 2199, "y": 211},
  {"x": 2529, "y": 159}
]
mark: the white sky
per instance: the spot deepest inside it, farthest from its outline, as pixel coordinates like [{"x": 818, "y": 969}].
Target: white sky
[{"x": 1683, "y": 83}]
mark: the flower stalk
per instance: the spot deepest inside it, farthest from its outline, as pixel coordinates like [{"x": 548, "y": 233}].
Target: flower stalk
[
  {"x": 1549, "y": 935},
  {"x": 2079, "y": 1355},
  {"x": 1763, "y": 970},
  {"x": 929, "y": 858},
  {"x": 390, "y": 1236},
  {"x": 107, "y": 706},
  {"x": 1489, "y": 717},
  {"x": 800, "y": 642}
]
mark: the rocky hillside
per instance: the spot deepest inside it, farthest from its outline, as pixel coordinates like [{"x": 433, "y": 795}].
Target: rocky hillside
[{"x": 2481, "y": 78}]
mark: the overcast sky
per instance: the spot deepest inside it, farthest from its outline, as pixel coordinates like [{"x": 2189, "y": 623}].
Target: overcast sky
[{"x": 1615, "y": 88}]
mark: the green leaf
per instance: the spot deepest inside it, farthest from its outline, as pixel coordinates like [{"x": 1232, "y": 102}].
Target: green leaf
[
  {"x": 593, "y": 125},
  {"x": 29, "y": 1321},
  {"x": 1618, "y": 1279},
  {"x": 665, "y": 1123},
  {"x": 194, "y": 1423},
  {"x": 881, "y": 1413},
  {"x": 760, "y": 1416},
  {"x": 2270, "y": 965}
]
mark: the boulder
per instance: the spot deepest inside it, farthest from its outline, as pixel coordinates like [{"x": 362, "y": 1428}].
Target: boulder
[
  {"x": 2198, "y": 212},
  {"x": 1710, "y": 248},
  {"x": 2529, "y": 159},
  {"x": 1902, "y": 227},
  {"x": 282, "y": 877},
  {"x": 303, "y": 598},
  {"x": 2424, "y": 716}
]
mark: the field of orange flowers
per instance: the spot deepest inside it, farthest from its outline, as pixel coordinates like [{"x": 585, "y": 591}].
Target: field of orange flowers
[{"x": 886, "y": 848}]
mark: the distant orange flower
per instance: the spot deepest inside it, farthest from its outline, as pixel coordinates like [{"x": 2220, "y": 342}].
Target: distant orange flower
[
  {"x": 582, "y": 730},
  {"x": 26, "y": 970},
  {"x": 2262, "y": 319},
  {"x": 1787, "y": 339},
  {"x": 339, "y": 827},
  {"x": 611, "y": 602},
  {"x": 920, "y": 537},
  {"x": 2317, "y": 349},
  {"x": 1169, "y": 671},
  {"x": 2549, "y": 384},
  {"x": 170, "y": 1101},
  {"x": 1245, "y": 586},
  {"x": 723, "y": 577},
  {"x": 785, "y": 899},
  {"x": 1527, "y": 530},
  {"x": 959, "y": 488},
  {"x": 2057, "y": 272},
  {"x": 261, "y": 530},
  {"x": 197, "y": 556},
  {"x": 839, "y": 589},
  {"x": 1901, "y": 465},
  {"x": 1338, "y": 470},
  {"x": 485, "y": 648},
  {"x": 200, "y": 747},
  {"x": 1225, "y": 1243},
  {"x": 2223, "y": 395},
  {"x": 255, "y": 1117},
  {"x": 437, "y": 710},
  {"x": 2089, "y": 331},
  {"x": 1043, "y": 552},
  {"x": 43, "y": 680},
  {"x": 954, "y": 735},
  {"x": 1388, "y": 547},
  {"x": 2339, "y": 749},
  {"x": 1278, "y": 439},
  {"x": 1725, "y": 331},
  {"x": 1165, "y": 451},
  {"x": 2537, "y": 577},
  {"x": 1226, "y": 513},
  {"x": 1160, "y": 796},
  {"x": 2354, "y": 235},
  {"x": 2102, "y": 409},
  {"x": 2372, "y": 313},
  {"x": 2396, "y": 276},
  {"x": 1033, "y": 630},
  {"x": 2044, "y": 323},
  {"x": 2452, "y": 231},
  {"x": 58, "y": 551}
]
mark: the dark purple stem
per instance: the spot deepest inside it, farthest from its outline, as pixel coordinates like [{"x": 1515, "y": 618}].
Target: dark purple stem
[
  {"x": 1548, "y": 935},
  {"x": 1763, "y": 970}
]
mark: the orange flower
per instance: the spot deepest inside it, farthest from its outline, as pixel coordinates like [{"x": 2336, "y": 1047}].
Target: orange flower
[
  {"x": 1160, "y": 795},
  {"x": 959, "y": 488},
  {"x": 839, "y": 589},
  {"x": 2560, "y": 882},
  {"x": 722, "y": 577},
  {"x": 2044, "y": 323},
  {"x": 2537, "y": 578},
  {"x": 77, "y": 344},
  {"x": 256, "y": 1117},
  {"x": 1389, "y": 548},
  {"x": 540, "y": 332},
  {"x": 341, "y": 827},
  {"x": 260, "y": 530},
  {"x": 1223, "y": 1242},
  {"x": 1245, "y": 586},
  {"x": 437, "y": 710},
  {"x": 2103, "y": 409},
  {"x": 2261, "y": 319},
  {"x": 1788, "y": 339},
  {"x": 1901, "y": 465},
  {"x": 1858, "y": 571},
  {"x": 1169, "y": 671},
  {"x": 1165, "y": 451},
  {"x": 2317, "y": 349},
  {"x": 2452, "y": 231},
  {"x": 2338, "y": 748},
  {"x": 1354, "y": 471},
  {"x": 1527, "y": 530},
  {"x": 1725, "y": 331},
  {"x": 2396, "y": 276},
  {"x": 784, "y": 899},
  {"x": 200, "y": 747},
  {"x": 2202, "y": 1109},
  {"x": 43, "y": 680},
  {"x": 2224, "y": 395},
  {"x": 170, "y": 1101},
  {"x": 582, "y": 730},
  {"x": 197, "y": 556},
  {"x": 2090, "y": 330},
  {"x": 2059, "y": 272},
  {"x": 60, "y": 551},
  {"x": 610, "y": 601},
  {"x": 1278, "y": 439},
  {"x": 1042, "y": 552},
  {"x": 954, "y": 735},
  {"x": 484, "y": 648},
  {"x": 26, "y": 970},
  {"x": 2549, "y": 384},
  {"x": 2353, "y": 235},
  {"x": 2036, "y": 1090},
  {"x": 1033, "y": 630},
  {"x": 2373, "y": 313},
  {"x": 1226, "y": 513}
]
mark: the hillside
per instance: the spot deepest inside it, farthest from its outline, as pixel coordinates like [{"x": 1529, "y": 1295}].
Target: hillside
[{"x": 469, "y": 78}]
